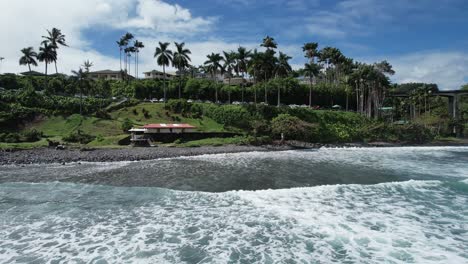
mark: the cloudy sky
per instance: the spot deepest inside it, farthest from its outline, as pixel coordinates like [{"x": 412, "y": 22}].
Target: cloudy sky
[{"x": 425, "y": 40}]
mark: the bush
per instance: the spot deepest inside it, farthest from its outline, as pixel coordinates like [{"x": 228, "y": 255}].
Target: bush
[
  {"x": 32, "y": 136},
  {"x": 178, "y": 106},
  {"x": 291, "y": 127},
  {"x": 127, "y": 124},
  {"x": 79, "y": 137}
]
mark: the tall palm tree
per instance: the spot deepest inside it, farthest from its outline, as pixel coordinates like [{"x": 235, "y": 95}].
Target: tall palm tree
[
  {"x": 311, "y": 70},
  {"x": 254, "y": 68},
  {"x": 311, "y": 51},
  {"x": 163, "y": 57},
  {"x": 137, "y": 45},
  {"x": 181, "y": 60},
  {"x": 47, "y": 54},
  {"x": 282, "y": 69},
  {"x": 80, "y": 76},
  {"x": 243, "y": 55},
  {"x": 121, "y": 44},
  {"x": 29, "y": 57},
  {"x": 214, "y": 64},
  {"x": 125, "y": 40},
  {"x": 229, "y": 59},
  {"x": 269, "y": 43},
  {"x": 87, "y": 65},
  {"x": 128, "y": 51},
  {"x": 55, "y": 39}
]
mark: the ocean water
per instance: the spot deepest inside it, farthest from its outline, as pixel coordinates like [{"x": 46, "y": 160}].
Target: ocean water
[{"x": 376, "y": 205}]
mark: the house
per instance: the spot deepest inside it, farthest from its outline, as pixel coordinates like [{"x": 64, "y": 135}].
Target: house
[
  {"x": 234, "y": 80},
  {"x": 32, "y": 73},
  {"x": 168, "y": 128},
  {"x": 152, "y": 131},
  {"x": 109, "y": 75},
  {"x": 157, "y": 75}
]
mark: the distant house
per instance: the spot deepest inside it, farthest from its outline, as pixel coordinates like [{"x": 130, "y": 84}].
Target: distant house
[
  {"x": 32, "y": 73},
  {"x": 234, "y": 80},
  {"x": 157, "y": 75},
  {"x": 109, "y": 75},
  {"x": 305, "y": 80},
  {"x": 148, "y": 132}
]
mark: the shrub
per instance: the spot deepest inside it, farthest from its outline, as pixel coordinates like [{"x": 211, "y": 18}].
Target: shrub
[
  {"x": 79, "y": 137},
  {"x": 178, "y": 106},
  {"x": 127, "y": 124},
  {"x": 32, "y": 136},
  {"x": 291, "y": 127}
]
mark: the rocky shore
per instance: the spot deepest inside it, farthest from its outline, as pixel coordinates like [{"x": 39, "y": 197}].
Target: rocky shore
[{"x": 51, "y": 155}]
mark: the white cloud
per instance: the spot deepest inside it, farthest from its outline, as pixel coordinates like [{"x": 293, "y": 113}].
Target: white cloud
[
  {"x": 23, "y": 22},
  {"x": 166, "y": 18},
  {"x": 447, "y": 69}
]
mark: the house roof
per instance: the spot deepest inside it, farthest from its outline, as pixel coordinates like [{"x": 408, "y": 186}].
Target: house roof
[
  {"x": 105, "y": 72},
  {"x": 156, "y": 126},
  {"x": 159, "y": 72},
  {"x": 32, "y": 73}
]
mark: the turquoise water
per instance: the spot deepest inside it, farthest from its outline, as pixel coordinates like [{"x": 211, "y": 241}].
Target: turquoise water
[{"x": 388, "y": 205}]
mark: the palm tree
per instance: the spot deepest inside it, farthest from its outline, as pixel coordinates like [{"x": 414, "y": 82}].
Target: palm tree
[
  {"x": 121, "y": 44},
  {"x": 282, "y": 69},
  {"x": 242, "y": 57},
  {"x": 163, "y": 57},
  {"x": 47, "y": 54},
  {"x": 125, "y": 40},
  {"x": 214, "y": 63},
  {"x": 254, "y": 68},
  {"x": 137, "y": 45},
  {"x": 128, "y": 51},
  {"x": 87, "y": 65},
  {"x": 181, "y": 60},
  {"x": 310, "y": 50},
  {"x": 55, "y": 39},
  {"x": 311, "y": 70},
  {"x": 269, "y": 43},
  {"x": 29, "y": 57},
  {"x": 80, "y": 77},
  {"x": 229, "y": 59}
]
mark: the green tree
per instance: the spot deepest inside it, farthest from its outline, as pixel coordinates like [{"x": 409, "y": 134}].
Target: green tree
[
  {"x": 29, "y": 57},
  {"x": 138, "y": 45},
  {"x": 55, "y": 38},
  {"x": 282, "y": 69},
  {"x": 163, "y": 57},
  {"x": 80, "y": 77},
  {"x": 47, "y": 54},
  {"x": 214, "y": 65},
  {"x": 181, "y": 61}
]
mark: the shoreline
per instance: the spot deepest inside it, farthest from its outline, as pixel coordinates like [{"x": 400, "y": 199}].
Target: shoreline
[{"x": 73, "y": 155}]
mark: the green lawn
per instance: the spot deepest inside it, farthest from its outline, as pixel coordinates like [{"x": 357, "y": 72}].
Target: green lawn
[
  {"x": 109, "y": 132},
  {"x": 157, "y": 114},
  {"x": 214, "y": 142}
]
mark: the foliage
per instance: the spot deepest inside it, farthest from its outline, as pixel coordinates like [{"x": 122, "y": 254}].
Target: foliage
[
  {"x": 291, "y": 127},
  {"x": 127, "y": 124},
  {"x": 79, "y": 137}
]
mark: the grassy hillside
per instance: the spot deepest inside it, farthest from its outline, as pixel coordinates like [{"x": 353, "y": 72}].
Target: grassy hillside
[{"x": 108, "y": 132}]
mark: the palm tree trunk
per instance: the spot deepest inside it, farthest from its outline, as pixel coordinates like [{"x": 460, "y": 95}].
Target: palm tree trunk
[
  {"x": 264, "y": 86},
  {"x": 29, "y": 66},
  {"x": 55, "y": 62},
  {"x": 164, "y": 82},
  {"x": 120, "y": 59},
  {"x": 310, "y": 92},
  {"x": 81, "y": 98}
]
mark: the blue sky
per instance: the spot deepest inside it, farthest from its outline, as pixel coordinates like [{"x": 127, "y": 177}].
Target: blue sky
[{"x": 425, "y": 40}]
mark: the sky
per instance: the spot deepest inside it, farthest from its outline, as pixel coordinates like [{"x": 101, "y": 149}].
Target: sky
[{"x": 424, "y": 40}]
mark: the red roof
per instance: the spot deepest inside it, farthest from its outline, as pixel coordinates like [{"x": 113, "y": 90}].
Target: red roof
[{"x": 156, "y": 126}]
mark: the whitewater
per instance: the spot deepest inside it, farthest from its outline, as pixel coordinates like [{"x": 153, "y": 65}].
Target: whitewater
[{"x": 363, "y": 205}]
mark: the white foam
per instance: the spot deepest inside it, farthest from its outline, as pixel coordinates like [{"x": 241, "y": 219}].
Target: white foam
[{"x": 391, "y": 222}]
